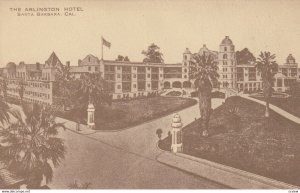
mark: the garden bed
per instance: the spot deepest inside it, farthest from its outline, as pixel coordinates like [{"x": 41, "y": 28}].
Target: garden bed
[
  {"x": 268, "y": 147},
  {"x": 174, "y": 93},
  {"x": 122, "y": 114}
]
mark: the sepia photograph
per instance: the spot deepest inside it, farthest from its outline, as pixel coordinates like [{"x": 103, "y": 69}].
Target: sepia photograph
[{"x": 149, "y": 94}]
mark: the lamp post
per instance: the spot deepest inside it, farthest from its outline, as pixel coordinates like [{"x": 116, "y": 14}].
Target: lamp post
[
  {"x": 91, "y": 116},
  {"x": 176, "y": 134}
]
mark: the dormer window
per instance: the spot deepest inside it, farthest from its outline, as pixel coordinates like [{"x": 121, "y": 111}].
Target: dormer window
[{"x": 225, "y": 49}]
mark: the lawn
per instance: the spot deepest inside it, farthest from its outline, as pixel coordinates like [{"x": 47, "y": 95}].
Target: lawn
[
  {"x": 122, "y": 114},
  {"x": 268, "y": 147},
  {"x": 290, "y": 104}
]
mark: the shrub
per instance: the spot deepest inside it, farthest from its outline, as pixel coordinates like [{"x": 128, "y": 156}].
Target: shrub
[
  {"x": 233, "y": 115},
  {"x": 174, "y": 93},
  {"x": 159, "y": 133}
]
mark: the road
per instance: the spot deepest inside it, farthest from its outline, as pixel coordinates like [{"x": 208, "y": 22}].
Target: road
[{"x": 125, "y": 159}]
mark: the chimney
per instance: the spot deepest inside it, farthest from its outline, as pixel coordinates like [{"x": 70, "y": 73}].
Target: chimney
[
  {"x": 79, "y": 62},
  {"x": 227, "y": 37},
  {"x": 204, "y": 45},
  {"x": 68, "y": 63}
]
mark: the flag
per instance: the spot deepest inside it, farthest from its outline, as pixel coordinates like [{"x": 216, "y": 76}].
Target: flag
[{"x": 106, "y": 43}]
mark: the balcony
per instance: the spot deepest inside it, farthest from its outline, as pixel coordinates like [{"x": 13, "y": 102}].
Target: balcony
[{"x": 172, "y": 75}]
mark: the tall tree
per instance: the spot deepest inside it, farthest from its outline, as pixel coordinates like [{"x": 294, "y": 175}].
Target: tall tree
[
  {"x": 153, "y": 54},
  {"x": 268, "y": 67},
  {"x": 245, "y": 57},
  {"x": 122, "y": 58},
  {"x": 21, "y": 89},
  {"x": 61, "y": 87},
  {"x": 93, "y": 89},
  {"x": 3, "y": 87},
  {"x": 203, "y": 69},
  {"x": 4, "y": 111},
  {"x": 30, "y": 146}
]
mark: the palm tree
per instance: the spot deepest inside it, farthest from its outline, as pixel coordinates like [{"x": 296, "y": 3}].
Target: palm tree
[
  {"x": 76, "y": 185},
  {"x": 268, "y": 67},
  {"x": 31, "y": 146},
  {"x": 4, "y": 111},
  {"x": 203, "y": 69},
  {"x": 62, "y": 84},
  {"x": 3, "y": 87},
  {"x": 94, "y": 89},
  {"x": 21, "y": 89}
]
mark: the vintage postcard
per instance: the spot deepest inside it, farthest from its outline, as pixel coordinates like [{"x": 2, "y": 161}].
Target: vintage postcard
[{"x": 149, "y": 94}]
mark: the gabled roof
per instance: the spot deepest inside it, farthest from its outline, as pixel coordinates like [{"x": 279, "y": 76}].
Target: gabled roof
[
  {"x": 91, "y": 56},
  {"x": 205, "y": 50},
  {"x": 279, "y": 75},
  {"x": 53, "y": 61}
]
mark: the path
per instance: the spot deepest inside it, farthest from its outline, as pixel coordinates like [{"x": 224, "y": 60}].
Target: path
[
  {"x": 275, "y": 108},
  {"x": 125, "y": 159}
]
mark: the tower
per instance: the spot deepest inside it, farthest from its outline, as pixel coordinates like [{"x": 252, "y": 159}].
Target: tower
[
  {"x": 227, "y": 64},
  {"x": 186, "y": 63}
]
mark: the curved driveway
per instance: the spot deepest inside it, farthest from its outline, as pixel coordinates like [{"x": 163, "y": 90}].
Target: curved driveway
[{"x": 125, "y": 159}]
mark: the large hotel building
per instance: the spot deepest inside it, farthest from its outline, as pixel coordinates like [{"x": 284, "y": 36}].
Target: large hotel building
[{"x": 134, "y": 79}]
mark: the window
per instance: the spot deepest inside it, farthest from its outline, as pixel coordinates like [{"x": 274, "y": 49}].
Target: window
[
  {"x": 148, "y": 85},
  {"x": 90, "y": 68},
  {"x": 185, "y": 70},
  {"x": 134, "y": 75},
  {"x": 134, "y": 86},
  {"x": 185, "y": 57},
  {"x": 225, "y": 56},
  {"x": 148, "y": 68},
  {"x": 160, "y": 75},
  {"x": 225, "y": 49},
  {"x": 96, "y": 68},
  {"x": 118, "y": 68},
  {"x": 185, "y": 63},
  {"x": 148, "y": 75},
  {"x": 89, "y": 59},
  {"x": 118, "y": 76},
  {"x": 119, "y": 87},
  {"x": 185, "y": 76}
]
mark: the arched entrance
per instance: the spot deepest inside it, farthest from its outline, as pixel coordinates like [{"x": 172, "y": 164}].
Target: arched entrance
[
  {"x": 187, "y": 84},
  {"x": 176, "y": 84},
  {"x": 167, "y": 84}
]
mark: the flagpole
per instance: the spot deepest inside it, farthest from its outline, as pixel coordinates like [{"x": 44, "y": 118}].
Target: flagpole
[{"x": 101, "y": 48}]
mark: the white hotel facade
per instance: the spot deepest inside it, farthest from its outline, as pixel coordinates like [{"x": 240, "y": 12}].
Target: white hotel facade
[{"x": 135, "y": 79}]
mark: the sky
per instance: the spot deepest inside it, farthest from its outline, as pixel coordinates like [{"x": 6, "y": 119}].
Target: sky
[{"x": 132, "y": 25}]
